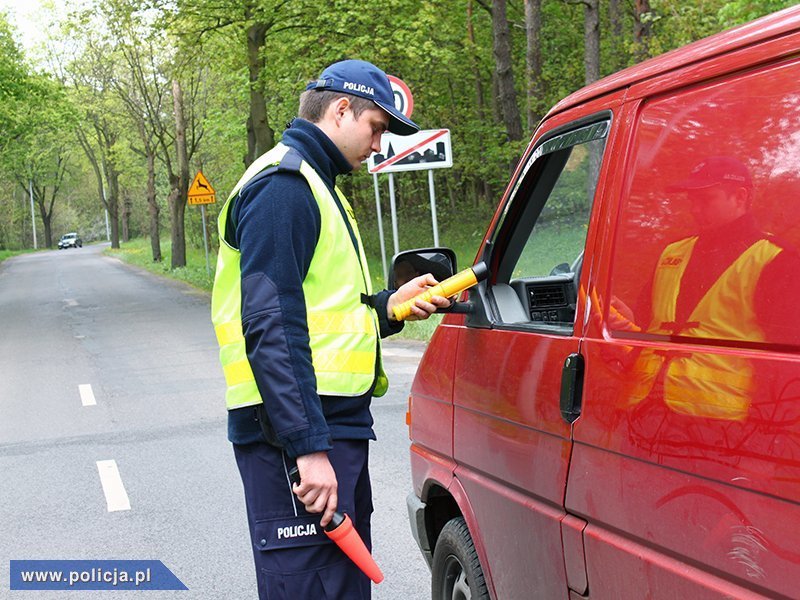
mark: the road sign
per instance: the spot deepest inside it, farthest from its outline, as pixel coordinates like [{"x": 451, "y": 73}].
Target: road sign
[
  {"x": 403, "y": 100},
  {"x": 201, "y": 192},
  {"x": 426, "y": 149}
]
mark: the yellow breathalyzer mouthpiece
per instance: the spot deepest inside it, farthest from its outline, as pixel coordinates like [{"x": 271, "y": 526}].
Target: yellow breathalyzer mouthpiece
[{"x": 449, "y": 287}]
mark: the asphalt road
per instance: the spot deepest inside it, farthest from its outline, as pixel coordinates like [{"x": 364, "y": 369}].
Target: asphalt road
[{"x": 145, "y": 346}]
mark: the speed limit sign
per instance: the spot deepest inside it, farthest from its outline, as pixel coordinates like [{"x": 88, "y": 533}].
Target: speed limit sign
[{"x": 403, "y": 100}]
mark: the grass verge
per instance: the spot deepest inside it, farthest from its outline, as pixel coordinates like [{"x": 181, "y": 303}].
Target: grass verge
[
  {"x": 137, "y": 252},
  {"x": 4, "y": 254}
]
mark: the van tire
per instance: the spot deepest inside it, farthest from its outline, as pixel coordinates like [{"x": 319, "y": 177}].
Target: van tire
[{"x": 456, "y": 573}]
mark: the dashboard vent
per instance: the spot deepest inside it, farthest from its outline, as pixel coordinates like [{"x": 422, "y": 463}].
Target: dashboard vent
[{"x": 547, "y": 296}]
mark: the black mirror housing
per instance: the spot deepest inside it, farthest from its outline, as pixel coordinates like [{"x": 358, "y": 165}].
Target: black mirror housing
[{"x": 439, "y": 262}]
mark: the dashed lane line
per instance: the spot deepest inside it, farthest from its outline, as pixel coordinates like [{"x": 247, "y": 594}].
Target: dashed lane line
[
  {"x": 87, "y": 395},
  {"x": 116, "y": 496}
]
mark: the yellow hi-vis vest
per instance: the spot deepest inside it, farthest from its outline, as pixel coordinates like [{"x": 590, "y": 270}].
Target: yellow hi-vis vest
[
  {"x": 343, "y": 331},
  {"x": 714, "y": 385}
]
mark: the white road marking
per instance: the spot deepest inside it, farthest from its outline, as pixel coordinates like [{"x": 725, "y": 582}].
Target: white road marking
[
  {"x": 71, "y": 302},
  {"x": 87, "y": 395},
  {"x": 116, "y": 496}
]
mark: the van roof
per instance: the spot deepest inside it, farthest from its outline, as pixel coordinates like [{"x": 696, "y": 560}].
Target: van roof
[{"x": 764, "y": 28}]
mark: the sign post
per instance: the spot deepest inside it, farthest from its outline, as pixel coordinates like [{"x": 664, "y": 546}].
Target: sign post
[
  {"x": 404, "y": 102},
  {"x": 393, "y": 205},
  {"x": 380, "y": 226},
  {"x": 201, "y": 192},
  {"x": 425, "y": 150},
  {"x": 433, "y": 208}
]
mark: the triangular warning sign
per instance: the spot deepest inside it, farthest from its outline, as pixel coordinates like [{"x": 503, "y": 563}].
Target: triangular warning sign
[{"x": 200, "y": 186}]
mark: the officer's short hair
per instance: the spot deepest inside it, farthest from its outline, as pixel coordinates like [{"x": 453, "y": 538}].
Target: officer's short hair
[{"x": 314, "y": 103}]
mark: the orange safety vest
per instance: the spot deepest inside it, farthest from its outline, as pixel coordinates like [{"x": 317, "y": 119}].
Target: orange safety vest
[{"x": 715, "y": 385}]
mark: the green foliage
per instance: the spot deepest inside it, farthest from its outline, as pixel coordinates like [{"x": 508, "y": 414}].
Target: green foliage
[
  {"x": 742, "y": 11},
  {"x": 203, "y": 43},
  {"x": 13, "y": 84}
]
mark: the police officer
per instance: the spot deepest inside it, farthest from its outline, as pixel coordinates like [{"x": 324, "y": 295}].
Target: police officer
[
  {"x": 299, "y": 330},
  {"x": 727, "y": 282}
]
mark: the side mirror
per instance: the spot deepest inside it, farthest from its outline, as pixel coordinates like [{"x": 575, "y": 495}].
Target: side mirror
[{"x": 439, "y": 262}]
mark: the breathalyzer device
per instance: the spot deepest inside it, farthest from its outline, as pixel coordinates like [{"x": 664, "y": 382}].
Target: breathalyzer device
[{"x": 449, "y": 287}]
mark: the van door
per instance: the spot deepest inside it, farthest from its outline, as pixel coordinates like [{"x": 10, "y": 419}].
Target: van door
[
  {"x": 511, "y": 442},
  {"x": 686, "y": 458}
]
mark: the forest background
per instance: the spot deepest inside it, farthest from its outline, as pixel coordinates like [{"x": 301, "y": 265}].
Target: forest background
[{"x": 105, "y": 121}]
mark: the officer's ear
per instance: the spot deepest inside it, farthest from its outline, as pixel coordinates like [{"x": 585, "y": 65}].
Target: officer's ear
[
  {"x": 743, "y": 196},
  {"x": 339, "y": 108}
]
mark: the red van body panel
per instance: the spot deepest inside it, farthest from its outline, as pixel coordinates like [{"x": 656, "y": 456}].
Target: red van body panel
[
  {"x": 721, "y": 493},
  {"x": 431, "y": 401},
  {"x": 681, "y": 476},
  {"x": 435, "y": 472}
]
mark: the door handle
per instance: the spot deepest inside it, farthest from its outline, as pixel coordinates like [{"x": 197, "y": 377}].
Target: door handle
[{"x": 571, "y": 387}]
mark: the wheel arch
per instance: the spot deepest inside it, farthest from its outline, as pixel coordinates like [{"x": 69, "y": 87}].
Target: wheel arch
[{"x": 443, "y": 504}]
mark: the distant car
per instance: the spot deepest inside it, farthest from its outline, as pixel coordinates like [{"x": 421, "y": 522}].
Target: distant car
[{"x": 70, "y": 240}]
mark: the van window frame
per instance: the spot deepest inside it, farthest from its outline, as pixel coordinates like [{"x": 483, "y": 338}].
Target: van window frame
[{"x": 524, "y": 184}]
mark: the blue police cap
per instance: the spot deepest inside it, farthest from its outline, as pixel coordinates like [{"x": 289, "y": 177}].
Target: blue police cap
[{"x": 363, "y": 79}]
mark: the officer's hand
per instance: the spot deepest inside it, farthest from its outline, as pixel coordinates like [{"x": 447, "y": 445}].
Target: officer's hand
[
  {"x": 318, "y": 486},
  {"x": 620, "y": 317},
  {"x": 421, "y": 309}
]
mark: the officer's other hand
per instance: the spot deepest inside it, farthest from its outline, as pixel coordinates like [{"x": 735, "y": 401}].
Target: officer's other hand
[
  {"x": 318, "y": 486},
  {"x": 421, "y": 309}
]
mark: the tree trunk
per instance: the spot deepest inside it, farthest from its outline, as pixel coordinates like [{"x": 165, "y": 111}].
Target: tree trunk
[
  {"x": 615, "y": 16},
  {"x": 180, "y": 184},
  {"x": 46, "y": 217},
  {"x": 152, "y": 204},
  {"x": 505, "y": 76},
  {"x": 260, "y": 136},
  {"x": 533, "y": 60},
  {"x": 480, "y": 101},
  {"x": 641, "y": 29},
  {"x": 48, "y": 232},
  {"x": 591, "y": 40},
  {"x": 112, "y": 198},
  {"x": 126, "y": 218}
]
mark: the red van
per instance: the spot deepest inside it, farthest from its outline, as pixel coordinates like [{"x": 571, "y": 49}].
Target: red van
[{"x": 615, "y": 412}]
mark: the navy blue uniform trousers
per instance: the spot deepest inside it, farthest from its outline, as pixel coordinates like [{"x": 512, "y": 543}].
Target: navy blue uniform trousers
[{"x": 294, "y": 558}]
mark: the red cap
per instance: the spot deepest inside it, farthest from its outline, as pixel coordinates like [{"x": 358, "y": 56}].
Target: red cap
[{"x": 712, "y": 171}]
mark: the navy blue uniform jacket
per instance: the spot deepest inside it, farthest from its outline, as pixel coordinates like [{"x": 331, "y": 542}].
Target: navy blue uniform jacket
[{"x": 277, "y": 224}]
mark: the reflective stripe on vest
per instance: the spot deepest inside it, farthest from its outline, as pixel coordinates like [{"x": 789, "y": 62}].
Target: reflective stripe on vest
[
  {"x": 717, "y": 384},
  {"x": 343, "y": 332}
]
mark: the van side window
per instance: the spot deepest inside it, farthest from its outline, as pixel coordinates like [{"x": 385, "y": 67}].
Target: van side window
[
  {"x": 706, "y": 245},
  {"x": 543, "y": 231}
]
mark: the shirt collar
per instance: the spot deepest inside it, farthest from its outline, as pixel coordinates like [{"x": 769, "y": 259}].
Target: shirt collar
[{"x": 317, "y": 148}]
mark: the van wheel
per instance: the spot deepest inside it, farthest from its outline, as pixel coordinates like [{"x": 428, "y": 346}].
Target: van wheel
[{"x": 456, "y": 570}]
